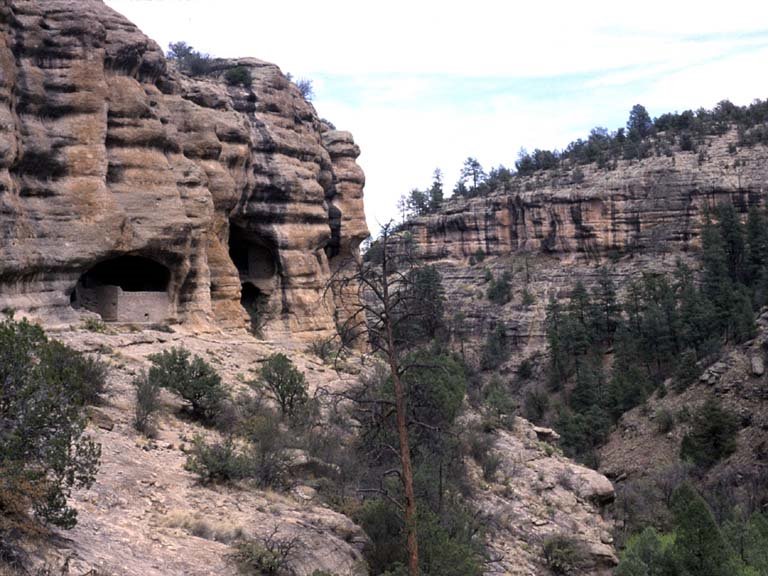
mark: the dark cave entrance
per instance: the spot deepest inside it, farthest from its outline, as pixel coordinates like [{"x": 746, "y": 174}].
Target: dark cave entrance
[
  {"x": 254, "y": 301},
  {"x": 257, "y": 267},
  {"x": 125, "y": 289}
]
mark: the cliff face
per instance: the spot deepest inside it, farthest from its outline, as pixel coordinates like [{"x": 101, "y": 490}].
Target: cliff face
[
  {"x": 551, "y": 231},
  {"x": 241, "y": 194},
  {"x": 654, "y": 205}
]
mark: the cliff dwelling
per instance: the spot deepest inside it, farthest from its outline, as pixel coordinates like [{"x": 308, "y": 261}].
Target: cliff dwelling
[
  {"x": 125, "y": 289},
  {"x": 255, "y": 263}
]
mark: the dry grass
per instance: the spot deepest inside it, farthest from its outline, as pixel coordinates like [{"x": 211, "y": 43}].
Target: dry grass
[{"x": 197, "y": 525}]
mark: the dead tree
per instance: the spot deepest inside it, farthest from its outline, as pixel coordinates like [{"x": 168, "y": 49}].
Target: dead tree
[{"x": 382, "y": 307}]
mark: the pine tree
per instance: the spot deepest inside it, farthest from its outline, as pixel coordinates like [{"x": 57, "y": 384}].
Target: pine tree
[
  {"x": 607, "y": 307},
  {"x": 757, "y": 245},
  {"x": 699, "y": 548},
  {"x": 435, "y": 191},
  {"x": 732, "y": 233}
]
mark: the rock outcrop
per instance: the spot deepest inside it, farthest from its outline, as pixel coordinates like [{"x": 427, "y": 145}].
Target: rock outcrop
[
  {"x": 240, "y": 193},
  {"x": 537, "y": 495}
]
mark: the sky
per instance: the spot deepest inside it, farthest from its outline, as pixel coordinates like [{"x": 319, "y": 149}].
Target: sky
[{"x": 423, "y": 84}]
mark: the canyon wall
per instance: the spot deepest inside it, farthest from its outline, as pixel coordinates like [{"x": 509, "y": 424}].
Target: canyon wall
[
  {"x": 554, "y": 228},
  {"x": 241, "y": 192}
]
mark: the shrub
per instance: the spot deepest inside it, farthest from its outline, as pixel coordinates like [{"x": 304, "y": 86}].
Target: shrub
[
  {"x": 190, "y": 60},
  {"x": 528, "y": 298},
  {"x": 324, "y": 349},
  {"x": 481, "y": 449},
  {"x": 284, "y": 383},
  {"x": 95, "y": 325},
  {"x": 712, "y": 436},
  {"x": 499, "y": 400},
  {"x": 307, "y": 90},
  {"x": 267, "y": 457},
  {"x": 217, "y": 462},
  {"x": 84, "y": 376},
  {"x": 535, "y": 405},
  {"x": 665, "y": 421},
  {"x": 238, "y": 75},
  {"x": 44, "y": 453},
  {"x": 563, "y": 554},
  {"x": 196, "y": 381},
  {"x": 147, "y": 396},
  {"x": 525, "y": 370},
  {"x": 267, "y": 556},
  {"x": 500, "y": 290}
]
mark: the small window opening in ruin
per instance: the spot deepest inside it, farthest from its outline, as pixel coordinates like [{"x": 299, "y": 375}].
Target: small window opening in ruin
[{"x": 125, "y": 289}]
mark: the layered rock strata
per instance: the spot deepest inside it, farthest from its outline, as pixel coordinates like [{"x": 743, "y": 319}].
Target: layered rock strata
[
  {"x": 555, "y": 228},
  {"x": 240, "y": 192}
]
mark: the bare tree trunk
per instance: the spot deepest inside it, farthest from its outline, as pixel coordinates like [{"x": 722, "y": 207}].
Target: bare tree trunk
[{"x": 412, "y": 542}]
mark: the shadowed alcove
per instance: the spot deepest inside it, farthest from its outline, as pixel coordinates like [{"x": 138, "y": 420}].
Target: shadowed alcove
[
  {"x": 125, "y": 289},
  {"x": 257, "y": 267}
]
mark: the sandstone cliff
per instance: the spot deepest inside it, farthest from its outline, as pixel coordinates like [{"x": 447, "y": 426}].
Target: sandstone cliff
[
  {"x": 553, "y": 228},
  {"x": 240, "y": 193}
]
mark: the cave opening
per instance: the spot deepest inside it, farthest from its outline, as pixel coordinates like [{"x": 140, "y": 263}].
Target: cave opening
[
  {"x": 251, "y": 256},
  {"x": 254, "y": 301},
  {"x": 257, "y": 267},
  {"x": 125, "y": 289}
]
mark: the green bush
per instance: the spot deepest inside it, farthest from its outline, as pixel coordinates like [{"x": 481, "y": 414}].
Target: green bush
[
  {"x": 564, "y": 554},
  {"x": 85, "y": 376},
  {"x": 44, "y": 453},
  {"x": 528, "y": 298},
  {"x": 481, "y": 450},
  {"x": 217, "y": 462},
  {"x": 147, "y": 398},
  {"x": 267, "y": 456},
  {"x": 665, "y": 421},
  {"x": 525, "y": 370},
  {"x": 500, "y": 289},
  {"x": 535, "y": 405},
  {"x": 196, "y": 381},
  {"x": 712, "y": 436},
  {"x": 238, "y": 75},
  {"x": 284, "y": 383}
]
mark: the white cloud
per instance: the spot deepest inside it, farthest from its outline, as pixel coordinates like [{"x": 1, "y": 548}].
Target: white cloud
[{"x": 425, "y": 84}]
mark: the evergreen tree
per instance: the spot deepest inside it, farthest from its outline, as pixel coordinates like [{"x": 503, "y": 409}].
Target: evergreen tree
[
  {"x": 699, "y": 548},
  {"x": 757, "y": 245},
  {"x": 559, "y": 361},
  {"x": 646, "y": 554},
  {"x": 639, "y": 125},
  {"x": 732, "y": 234},
  {"x": 712, "y": 435},
  {"x": 607, "y": 307},
  {"x": 472, "y": 174},
  {"x": 435, "y": 192},
  {"x": 716, "y": 281}
]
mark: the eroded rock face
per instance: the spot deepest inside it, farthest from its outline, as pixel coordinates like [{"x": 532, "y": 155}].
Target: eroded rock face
[
  {"x": 643, "y": 216},
  {"x": 240, "y": 192},
  {"x": 653, "y": 205}
]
